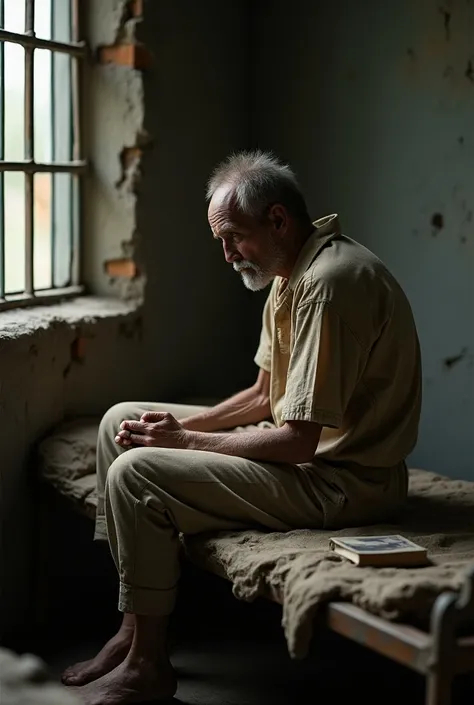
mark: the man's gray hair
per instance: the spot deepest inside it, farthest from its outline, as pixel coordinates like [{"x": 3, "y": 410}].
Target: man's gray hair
[{"x": 258, "y": 180}]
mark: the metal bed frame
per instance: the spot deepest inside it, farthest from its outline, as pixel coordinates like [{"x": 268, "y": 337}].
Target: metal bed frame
[
  {"x": 439, "y": 654},
  {"x": 442, "y": 652}
]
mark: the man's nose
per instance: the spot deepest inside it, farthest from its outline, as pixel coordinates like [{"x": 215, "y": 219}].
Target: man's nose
[{"x": 230, "y": 253}]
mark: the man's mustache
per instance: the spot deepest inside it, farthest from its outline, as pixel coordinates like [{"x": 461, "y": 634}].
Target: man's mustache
[{"x": 244, "y": 264}]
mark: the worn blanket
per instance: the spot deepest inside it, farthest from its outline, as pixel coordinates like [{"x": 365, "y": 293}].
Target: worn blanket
[{"x": 296, "y": 568}]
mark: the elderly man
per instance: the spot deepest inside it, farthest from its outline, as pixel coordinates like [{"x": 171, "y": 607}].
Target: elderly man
[{"x": 330, "y": 420}]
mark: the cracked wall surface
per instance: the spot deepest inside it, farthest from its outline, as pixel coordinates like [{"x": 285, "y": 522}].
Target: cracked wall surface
[
  {"x": 76, "y": 357},
  {"x": 71, "y": 359},
  {"x": 113, "y": 118},
  {"x": 378, "y": 120}
]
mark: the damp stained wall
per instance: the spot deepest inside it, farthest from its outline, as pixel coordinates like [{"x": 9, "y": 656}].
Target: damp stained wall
[{"x": 373, "y": 104}]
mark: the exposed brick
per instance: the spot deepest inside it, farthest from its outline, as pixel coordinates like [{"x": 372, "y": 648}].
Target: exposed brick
[
  {"x": 129, "y": 156},
  {"x": 133, "y": 55},
  {"x": 135, "y": 8},
  {"x": 124, "y": 268}
]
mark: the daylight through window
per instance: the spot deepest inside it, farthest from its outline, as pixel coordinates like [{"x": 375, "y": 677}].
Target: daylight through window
[{"x": 40, "y": 150}]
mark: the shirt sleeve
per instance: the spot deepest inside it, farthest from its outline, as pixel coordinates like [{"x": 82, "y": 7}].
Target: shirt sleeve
[
  {"x": 263, "y": 356},
  {"x": 325, "y": 365}
]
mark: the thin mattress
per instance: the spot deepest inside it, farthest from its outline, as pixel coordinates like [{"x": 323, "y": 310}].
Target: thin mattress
[{"x": 296, "y": 568}]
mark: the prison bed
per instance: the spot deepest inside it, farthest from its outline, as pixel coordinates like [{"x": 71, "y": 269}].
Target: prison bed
[{"x": 422, "y": 618}]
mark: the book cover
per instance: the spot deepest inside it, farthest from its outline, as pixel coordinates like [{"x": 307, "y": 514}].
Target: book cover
[{"x": 379, "y": 550}]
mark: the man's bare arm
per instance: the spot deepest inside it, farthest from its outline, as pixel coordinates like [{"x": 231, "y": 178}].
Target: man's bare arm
[
  {"x": 294, "y": 442},
  {"x": 247, "y": 407}
]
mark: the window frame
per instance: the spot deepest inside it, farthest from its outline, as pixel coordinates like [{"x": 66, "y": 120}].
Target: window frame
[{"x": 77, "y": 167}]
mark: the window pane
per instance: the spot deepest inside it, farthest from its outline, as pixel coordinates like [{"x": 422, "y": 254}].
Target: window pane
[
  {"x": 43, "y": 18},
  {"x": 75, "y": 232},
  {"x": 55, "y": 195},
  {"x": 62, "y": 20},
  {"x": 42, "y": 231},
  {"x": 62, "y": 221},
  {"x": 14, "y": 16},
  {"x": 42, "y": 98},
  {"x": 14, "y": 232},
  {"x": 14, "y": 102},
  {"x": 62, "y": 183},
  {"x": 62, "y": 108}
]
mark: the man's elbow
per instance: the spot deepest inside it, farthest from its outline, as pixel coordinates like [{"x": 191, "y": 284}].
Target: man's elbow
[
  {"x": 303, "y": 455},
  {"x": 302, "y": 451},
  {"x": 304, "y": 441}
]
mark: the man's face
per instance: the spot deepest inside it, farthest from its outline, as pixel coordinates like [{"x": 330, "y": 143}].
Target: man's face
[{"x": 253, "y": 247}]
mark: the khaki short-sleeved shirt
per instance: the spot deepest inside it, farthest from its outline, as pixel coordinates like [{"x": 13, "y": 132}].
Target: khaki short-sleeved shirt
[{"x": 341, "y": 346}]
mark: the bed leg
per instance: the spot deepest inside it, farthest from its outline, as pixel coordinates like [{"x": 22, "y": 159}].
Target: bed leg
[
  {"x": 441, "y": 666},
  {"x": 438, "y": 688},
  {"x": 449, "y": 613}
]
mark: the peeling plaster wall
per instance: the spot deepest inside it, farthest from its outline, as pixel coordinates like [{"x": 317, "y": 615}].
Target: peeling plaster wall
[
  {"x": 78, "y": 357},
  {"x": 66, "y": 360},
  {"x": 373, "y": 104},
  {"x": 152, "y": 137},
  {"x": 113, "y": 114}
]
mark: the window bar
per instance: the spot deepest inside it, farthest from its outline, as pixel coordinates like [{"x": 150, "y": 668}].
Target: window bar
[
  {"x": 33, "y": 42},
  {"x": 29, "y": 147},
  {"x": 32, "y": 167},
  {"x": 2, "y": 155},
  {"x": 76, "y": 183}
]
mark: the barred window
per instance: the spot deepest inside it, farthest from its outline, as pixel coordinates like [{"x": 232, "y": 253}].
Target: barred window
[{"x": 40, "y": 150}]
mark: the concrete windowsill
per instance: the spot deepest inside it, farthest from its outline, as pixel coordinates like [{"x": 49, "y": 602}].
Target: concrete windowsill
[{"x": 25, "y": 322}]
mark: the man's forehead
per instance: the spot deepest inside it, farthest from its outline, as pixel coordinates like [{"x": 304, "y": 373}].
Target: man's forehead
[
  {"x": 222, "y": 223},
  {"x": 225, "y": 217},
  {"x": 222, "y": 214},
  {"x": 220, "y": 211}
]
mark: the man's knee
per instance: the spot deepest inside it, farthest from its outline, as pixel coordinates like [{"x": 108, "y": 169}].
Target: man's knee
[
  {"x": 134, "y": 469},
  {"x": 117, "y": 413},
  {"x": 124, "y": 474}
]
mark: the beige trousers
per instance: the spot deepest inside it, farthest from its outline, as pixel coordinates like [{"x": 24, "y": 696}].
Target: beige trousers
[{"x": 148, "y": 496}]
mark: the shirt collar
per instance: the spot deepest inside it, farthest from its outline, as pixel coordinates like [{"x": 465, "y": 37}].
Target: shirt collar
[{"x": 325, "y": 229}]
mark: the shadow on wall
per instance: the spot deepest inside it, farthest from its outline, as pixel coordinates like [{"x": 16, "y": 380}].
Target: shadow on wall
[
  {"x": 202, "y": 326},
  {"x": 373, "y": 104}
]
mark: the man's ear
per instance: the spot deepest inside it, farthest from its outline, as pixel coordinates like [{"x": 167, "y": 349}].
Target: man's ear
[{"x": 278, "y": 216}]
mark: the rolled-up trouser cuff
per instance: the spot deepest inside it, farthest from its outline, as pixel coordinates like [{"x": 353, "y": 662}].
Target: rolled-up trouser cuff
[
  {"x": 100, "y": 533},
  {"x": 146, "y": 601}
]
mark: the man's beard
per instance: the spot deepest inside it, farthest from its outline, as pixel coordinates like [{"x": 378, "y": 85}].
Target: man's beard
[{"x": 256, "y": 277}]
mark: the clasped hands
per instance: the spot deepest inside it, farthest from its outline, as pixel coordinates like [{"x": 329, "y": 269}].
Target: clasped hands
[{"x": 156, "y": 429}]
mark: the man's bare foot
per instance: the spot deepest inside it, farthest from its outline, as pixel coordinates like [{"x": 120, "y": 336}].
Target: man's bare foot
[
  {"x": 133, "y": 681},
  {"x": 113, "y": 653}
]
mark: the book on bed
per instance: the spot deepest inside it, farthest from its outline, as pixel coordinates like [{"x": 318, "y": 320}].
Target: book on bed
[{"x": 392, "y": 550}]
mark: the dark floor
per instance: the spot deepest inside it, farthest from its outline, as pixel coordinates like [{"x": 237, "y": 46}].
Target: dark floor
[
  {"x": 233, "y": 653},
  {"x": 227, "y": 652}
]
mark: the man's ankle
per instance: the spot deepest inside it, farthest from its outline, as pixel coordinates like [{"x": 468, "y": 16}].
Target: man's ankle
[{"x": 128, "y": 624}]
